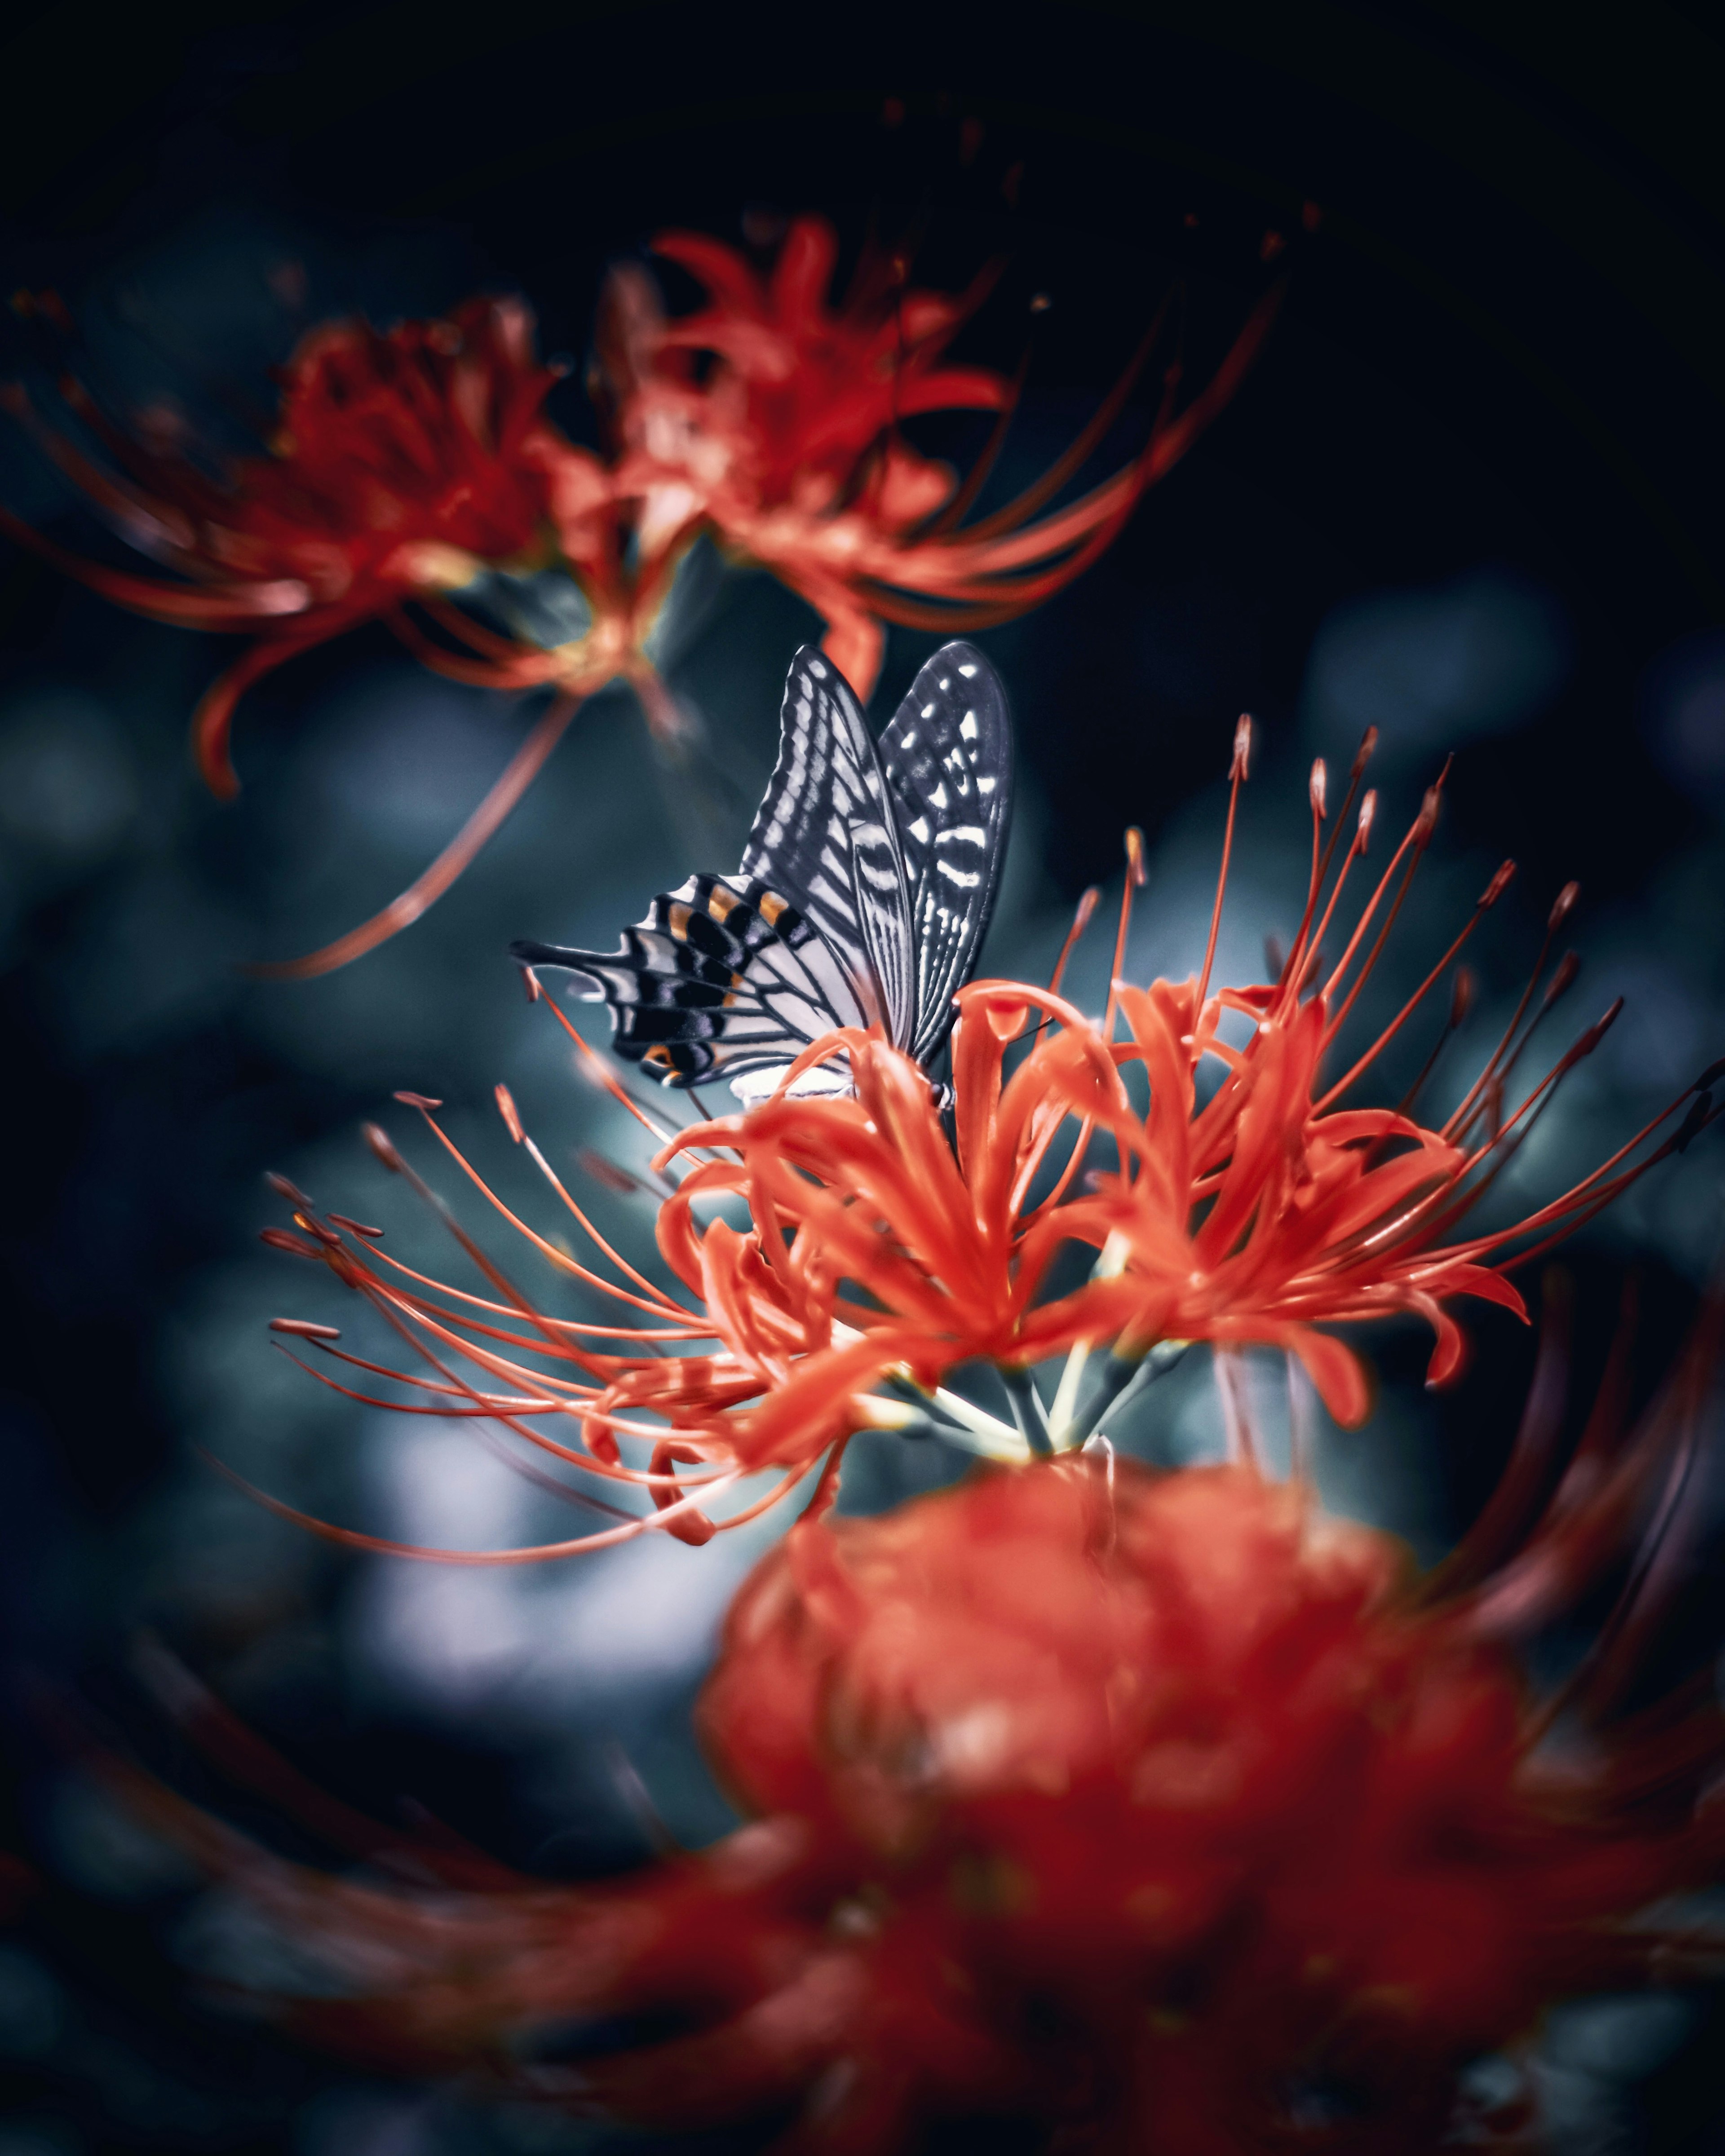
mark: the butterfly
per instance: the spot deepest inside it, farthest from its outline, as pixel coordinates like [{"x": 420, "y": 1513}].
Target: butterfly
[{"x": 862, "y": 897}]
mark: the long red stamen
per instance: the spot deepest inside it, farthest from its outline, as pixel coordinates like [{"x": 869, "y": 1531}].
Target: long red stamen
[
  {"x": 953, "y": 514},
  {"x": 1428, "y": 1213},
  {"x": 511, "y": 1118},
  {"x": 595, "y": 1068},
  {"x": 387, "y": 1152},
  {"x": 1082, "y": 446},
  {"x": 1561, "y": 982},
  {"x": 1591, "y": 1195},
  {"x": 660, "y": 1305},
  {"x": 1356, "y": 852},
  {"x": 1584, "y": 1199},
  {"x": 1562, "y": 907},
  {"x": 1418, "y": 838},
  {"x": 604, "y": 1538},
  {"x": 570, "y": 1325},
  {"x": 1134, "y": 879},
  {"x": 396, "y": 1311},
  {"x": 1461, "y": 1001},
  {"x": 1488, "y": 898},
  {"x": 1080, "y": 921},
  {"x": 523, "y": 767},
  {"x": 1295, "y": 968},
  {"x": 1236, "y": 779}
]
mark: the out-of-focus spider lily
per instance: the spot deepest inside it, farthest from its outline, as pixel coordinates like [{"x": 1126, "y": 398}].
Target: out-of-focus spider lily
[
  {"x": 773, "y": 421},
  {"x": 413, "y": 477},
  {"x": 1155, "y": 1811},
  {"x": 410, "y": 474}
]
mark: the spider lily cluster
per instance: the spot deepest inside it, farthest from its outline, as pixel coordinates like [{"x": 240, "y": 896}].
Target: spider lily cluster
[
  {"x": 885, "y": 1252},
  {"x": 1152, "y": 1811},
  {"x": 414, "y": 477}
]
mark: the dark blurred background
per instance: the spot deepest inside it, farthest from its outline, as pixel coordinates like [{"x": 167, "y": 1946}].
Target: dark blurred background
[{"x": 1470, "y": 494}]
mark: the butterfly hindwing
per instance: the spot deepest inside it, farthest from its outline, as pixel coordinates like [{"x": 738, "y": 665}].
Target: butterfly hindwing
[
  {"x": 721, "y": 976},
  {"x": 946, "y": 758}
]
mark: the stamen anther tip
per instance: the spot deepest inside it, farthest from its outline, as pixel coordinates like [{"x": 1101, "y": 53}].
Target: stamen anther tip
[
  {"x": 383, "y": 1146},
  {"x": 1499, "y": 884},
  {"x": 1569, "y": 966},
  {"x": 357, "y": 1227}
]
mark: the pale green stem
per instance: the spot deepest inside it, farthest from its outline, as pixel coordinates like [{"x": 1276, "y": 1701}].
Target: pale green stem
[
  {"x": 1028, "y": 1410},
  {"x": 1066, "y": 1399}
]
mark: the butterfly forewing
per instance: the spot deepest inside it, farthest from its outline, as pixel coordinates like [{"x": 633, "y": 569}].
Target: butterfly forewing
[
  {"x": 946, "y": 758},
  {"x": 826, "y": 837}
]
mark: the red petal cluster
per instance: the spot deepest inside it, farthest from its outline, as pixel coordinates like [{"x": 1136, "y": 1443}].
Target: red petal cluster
[
  {"x": 770, "y": 399},
  {"x": 879, "y": 1247},
  {"x": 883, "y": 1250},
  {"x": 773, "y": 420},
  {"x": 1155, "y": 1810},
  {"x": 405, "y": 463},
  {"x": 402, "y": 462}
]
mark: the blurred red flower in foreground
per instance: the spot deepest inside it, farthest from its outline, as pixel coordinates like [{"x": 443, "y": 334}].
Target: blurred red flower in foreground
[
  {"x": 413, "y": 474},
  {"x": 883, "y": 1254},
  {"x": 1157, "y": 1810}
]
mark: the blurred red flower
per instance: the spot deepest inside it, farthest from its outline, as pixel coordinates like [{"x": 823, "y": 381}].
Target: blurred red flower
[
  {"x": 406, "y": 469},
  {"x": 1160, "y": 1811},
  {"x": 403, "y": 464},
  {"x": 883, "y": 1254},
  {"x": 773, "y": 420},
  {"x": 412, "y": 475}
]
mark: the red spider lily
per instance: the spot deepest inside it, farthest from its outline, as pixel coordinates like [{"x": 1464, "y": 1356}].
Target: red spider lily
[
  {"x": 884, "y": 1254},
  {"x": 404, "y": 466},
  {"x": 408, "y": 470},
  {"x": 788, "y": 446},
  {"x": 1155, "y": 1811}
]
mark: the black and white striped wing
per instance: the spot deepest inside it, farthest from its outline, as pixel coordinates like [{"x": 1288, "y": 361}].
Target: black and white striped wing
[
  {"x": 722, "y": 978},
  {"x": 946, "y": 759},
  {"x": 826, "y": 839}
]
